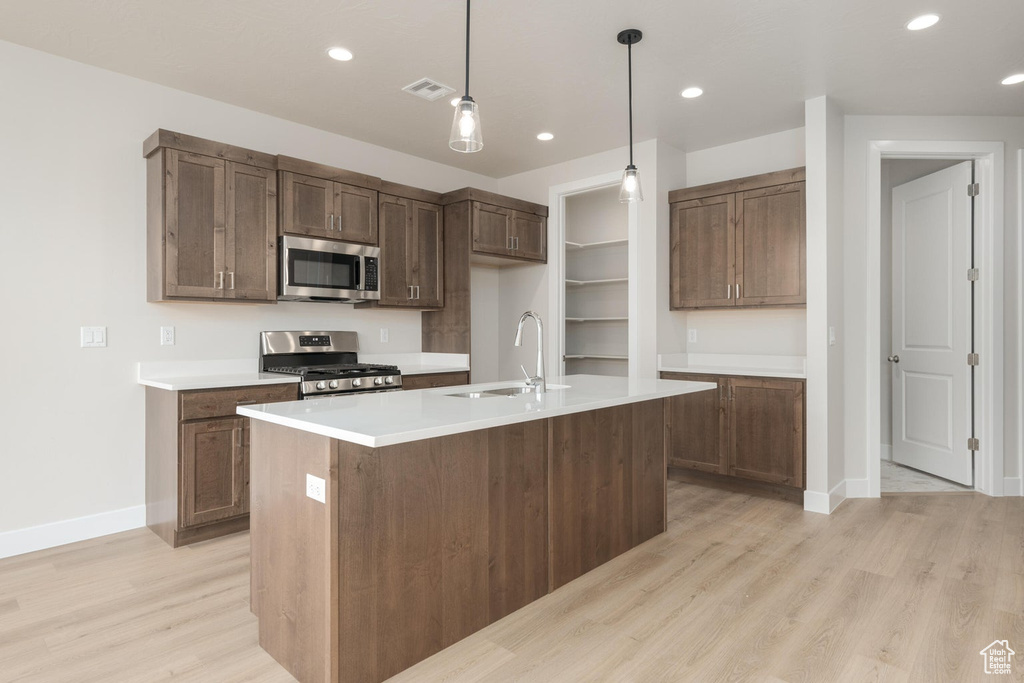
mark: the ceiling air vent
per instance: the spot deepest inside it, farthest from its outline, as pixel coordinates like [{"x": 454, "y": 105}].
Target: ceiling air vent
[{"x": 428, "y": 89}]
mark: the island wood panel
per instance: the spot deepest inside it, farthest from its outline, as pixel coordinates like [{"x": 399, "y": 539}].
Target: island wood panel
[
  {"x": 441, "y": 379},
  {"x": 438, "y": 539},
  {"x": 448, "y": 330},
  {"x": 697, "y": 426},
  {"x": 606, "y": 485},
  {"x": 294, "y": 546}
]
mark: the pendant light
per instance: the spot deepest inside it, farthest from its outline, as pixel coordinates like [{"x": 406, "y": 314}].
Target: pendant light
[
  {"x": 631, "y": 190},
  {"x": 466, "y": 135}
]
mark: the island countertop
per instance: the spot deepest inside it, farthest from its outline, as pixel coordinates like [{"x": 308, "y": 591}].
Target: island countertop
[{"x": 388, "y": 418}]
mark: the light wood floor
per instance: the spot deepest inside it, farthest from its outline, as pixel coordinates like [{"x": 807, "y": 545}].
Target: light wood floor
[{"x": 906, "y": 588}]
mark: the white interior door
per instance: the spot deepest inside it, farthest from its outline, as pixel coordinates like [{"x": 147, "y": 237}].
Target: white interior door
[{"x": 931, "y": 326}]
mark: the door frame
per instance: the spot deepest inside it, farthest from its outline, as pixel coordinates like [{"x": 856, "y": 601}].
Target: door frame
[
  {"x": 557, "y": 195},
  {"x": 988, "y": 309}
]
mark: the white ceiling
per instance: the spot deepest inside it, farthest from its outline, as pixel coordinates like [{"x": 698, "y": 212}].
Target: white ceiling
[{"x": 548, "y": 64}]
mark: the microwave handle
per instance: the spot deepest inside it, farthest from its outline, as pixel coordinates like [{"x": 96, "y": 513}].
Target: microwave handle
[{"x": 359, "y": 273}]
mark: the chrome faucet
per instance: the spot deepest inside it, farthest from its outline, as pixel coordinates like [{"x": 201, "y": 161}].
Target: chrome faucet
[{"x": 539, "y": 380}]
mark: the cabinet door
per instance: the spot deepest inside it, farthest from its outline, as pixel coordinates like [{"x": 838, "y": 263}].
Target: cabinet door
[
  {"x": 212, "y": 470},
  {"x": 251, "y": 235},
  {"x": 698, "y": 426},
  {"x": 194, "y": 250},
  {"x": 426, "y": 271},
  {"x": 307, "y": 205},
  {"x": 771, "y": 246},
  {"x": 702, "y": 267},
  {"x": 766, "y": 418},
  {"x": 529, "y": 236},
  {"x": 492, "y": 228},
  {"x": 396, "y": 218},
  {"x": 355, "y": 214}
]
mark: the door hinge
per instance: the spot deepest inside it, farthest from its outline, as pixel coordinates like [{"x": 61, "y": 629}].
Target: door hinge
[
  {"x": 974, "y": 189},
  {"x": 973, "y": 359},
  {"x": 972, "y": 274},
  {"x": 973, "y": 444}
]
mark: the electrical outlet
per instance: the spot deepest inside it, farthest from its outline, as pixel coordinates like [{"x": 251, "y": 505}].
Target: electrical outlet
[
  {"x": 316, "y": 488},
  {"x": 94, "y": 337},
  {"x": 831, "y": 336},
  {"x": 384, "y": 334},
  {"x": 166, "y": 336},
  {"x": 691, "y": 336}
]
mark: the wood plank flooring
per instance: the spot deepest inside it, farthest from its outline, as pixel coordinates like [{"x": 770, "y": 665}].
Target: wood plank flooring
[{"x": 905, "y": 588}]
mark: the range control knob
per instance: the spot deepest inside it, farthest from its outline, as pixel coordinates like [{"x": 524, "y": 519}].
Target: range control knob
[
  {"x": 357, "y": 382},
  {"x": 320, "y": 386},
  {"x": 389, "y": 380},
  {"x": 333, "y": 384},
  {"x": 378, "y": 380}
]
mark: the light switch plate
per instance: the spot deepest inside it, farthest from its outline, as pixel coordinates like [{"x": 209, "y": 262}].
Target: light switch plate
[
  {"x": 94, "y": 337},
  {"x": 316, "y": 488},
  {"x": 166, "y": 336}
]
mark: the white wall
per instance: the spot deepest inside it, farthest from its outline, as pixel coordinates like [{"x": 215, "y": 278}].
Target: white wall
[
  {"x": 484, "y": 315},
  {"x": 779, "y": 331},
  {"x": 73, "y": 223},
  {"x": 860, "y": 132}
]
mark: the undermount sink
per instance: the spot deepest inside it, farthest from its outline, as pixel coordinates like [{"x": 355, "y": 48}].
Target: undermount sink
[
  {"x": 508, "y": 392},
  {"x": 472, "y": 394}
]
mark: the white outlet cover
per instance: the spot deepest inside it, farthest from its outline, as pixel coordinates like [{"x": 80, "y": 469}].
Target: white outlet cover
[
  {"x": 831, "y": 336},
  {"x": 316, "y": 488},
  {"x": 166, "y": 336},
  {"x": 691, "y": 335},
  {"x": 384, "y": 334}
]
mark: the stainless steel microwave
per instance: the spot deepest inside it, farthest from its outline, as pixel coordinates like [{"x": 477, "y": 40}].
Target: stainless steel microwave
[{"x": 327, "y": 270}]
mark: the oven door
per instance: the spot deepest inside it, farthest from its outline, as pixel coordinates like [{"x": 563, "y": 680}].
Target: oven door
[{"x": 326, "y": 270}]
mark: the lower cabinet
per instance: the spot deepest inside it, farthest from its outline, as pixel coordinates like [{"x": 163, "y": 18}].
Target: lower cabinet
[
  {"x": 748, "y": 427},
  {"x": 197, "y": 460},
  {"x": 442, "y": 379}
]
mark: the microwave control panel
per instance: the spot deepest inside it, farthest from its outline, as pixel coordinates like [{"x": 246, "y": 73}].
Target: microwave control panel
[{"x": 370, "y": 279}]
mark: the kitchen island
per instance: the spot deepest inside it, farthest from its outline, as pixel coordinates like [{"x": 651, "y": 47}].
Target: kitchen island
[{"x": 443, "y": 510}]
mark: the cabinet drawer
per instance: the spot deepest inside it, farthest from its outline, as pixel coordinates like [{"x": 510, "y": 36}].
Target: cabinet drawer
[
  {"x": 206, "y": 403},
  {"x": 446, "y": 379}
]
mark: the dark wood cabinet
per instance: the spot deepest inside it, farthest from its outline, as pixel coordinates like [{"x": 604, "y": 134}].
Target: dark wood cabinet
[
  {"x": 739, "y": 243},
  {"x": 212, "y": 229},
  {"x": 508, "y": 233},
  {"x": 412, "y": 253},
  {"x": 747, "y": 427},
  {"x": 318, "y": 207},
  {"x": 431, "y": 381},
  {"x": 197, "y": 460}
]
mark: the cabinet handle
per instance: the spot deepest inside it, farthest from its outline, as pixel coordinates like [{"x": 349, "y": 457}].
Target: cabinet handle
[
  {"x": 411, "y": 292},
  {"x": 220, "y": 280},
  {"x": 332, "y": 221},
  {"x": 417, "y": 291},
  {"x": 515, "y": 243},
  {"x": 232, "y": 274},
  {"x": 728, "y": 291},
  {"x": 737, "y": 291},
  {"x": 508, "y": 242}
]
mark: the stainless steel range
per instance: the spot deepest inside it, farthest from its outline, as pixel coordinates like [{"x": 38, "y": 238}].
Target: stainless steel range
[{"x": 327, "y": 362}]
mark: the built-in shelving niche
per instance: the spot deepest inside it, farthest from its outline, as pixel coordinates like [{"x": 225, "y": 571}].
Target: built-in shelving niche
[{"x": 596, "y": 283}]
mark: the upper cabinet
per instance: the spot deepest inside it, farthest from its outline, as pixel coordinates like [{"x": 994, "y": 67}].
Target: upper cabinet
[
  {"x": 211, "y": 215},
  {"x": 320, "y": 201},
  {"x": 739, "y": 243},
  {"x": 411, "y": 248},
  {"x": 503, "y": 229}
]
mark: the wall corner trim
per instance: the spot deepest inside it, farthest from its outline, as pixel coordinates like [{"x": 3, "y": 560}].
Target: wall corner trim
[
  {"x": 825, "y": 503},
  {"x": 20, "y": 541}
]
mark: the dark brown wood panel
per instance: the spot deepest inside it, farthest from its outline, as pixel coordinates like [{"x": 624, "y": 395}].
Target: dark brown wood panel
[
  {"x": 355, "y": 214},
  {"x": 472, "y": 194},
  {"x": 195, "y": 223},
  {"x": 649, "y": 440},
  {"x": 771, "y": 246},
  {"x": 492, "y": 228},
  {"x": 427, "y": 270},
  {"x": 251, "y": 235},
  {"x": 530, "y": 236},
  {"x": 448, "y": 330},
  {"x": 702, "y": 266},
  {"x": 698, "y": 426},
  {"x": 307, "y": 205},
  {"x": 338, "y": 175},
  {"x": 212, "y": 471},
  {"x": 409, "y": 192},
  {"x": 206, "y": 403},
  {"x": 792, "y": 175},
  {"x": 441, "y": 379},
  {"x": 162, "y": 463},
  {"x": 766, "y": 418},
  {"x": 395, "y": 242},
  {"x": 167, "y": 139}
]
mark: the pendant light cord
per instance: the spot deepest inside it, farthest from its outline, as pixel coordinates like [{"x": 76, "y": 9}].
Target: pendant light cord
[
  {"x": 629, "y": 51},
  {"x": 467, "y": 48}
]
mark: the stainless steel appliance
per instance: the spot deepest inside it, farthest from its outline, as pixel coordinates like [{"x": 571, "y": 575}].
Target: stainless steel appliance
[
  {"x": 327, "y": 270},
  {"x": 327, "y": 362}
]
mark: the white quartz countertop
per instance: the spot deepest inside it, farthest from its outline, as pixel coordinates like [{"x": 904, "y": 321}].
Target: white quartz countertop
[
  {"x": 783, "y": 367},
  {"x": 389, "y": 418}
]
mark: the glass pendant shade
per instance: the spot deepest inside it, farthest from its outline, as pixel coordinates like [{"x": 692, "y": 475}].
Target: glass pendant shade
[
  {"x": 466, "y": 134},
  {"x": 631, "y": 190}
]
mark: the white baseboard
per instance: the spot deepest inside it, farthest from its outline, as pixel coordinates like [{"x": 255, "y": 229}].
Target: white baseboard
[
  {"x": 886, "y": 451},
  {"x": 857, "y": 488},
  {"x": 51, "y": 535},
  {"x": 1013, "y": 486},
  {"x": 825, "y": 503}
]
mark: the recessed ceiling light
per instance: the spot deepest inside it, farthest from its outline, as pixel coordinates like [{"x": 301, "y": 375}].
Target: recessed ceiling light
[
  {"x": 690, "y": 93},
  {"x": 923, "y": 21},
  {"x": 339, "y": 53},
  {"x": 545, "y": 136},
  {"x": 1014, "y": 79}
]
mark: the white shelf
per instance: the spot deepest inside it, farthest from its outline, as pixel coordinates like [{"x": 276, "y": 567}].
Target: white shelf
[
  {"x": 583, "y": 283},
  {"x": 579, "y": 246},
  {"x": 595, "y": 320},
  {"x": 581, "y": 357}
]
